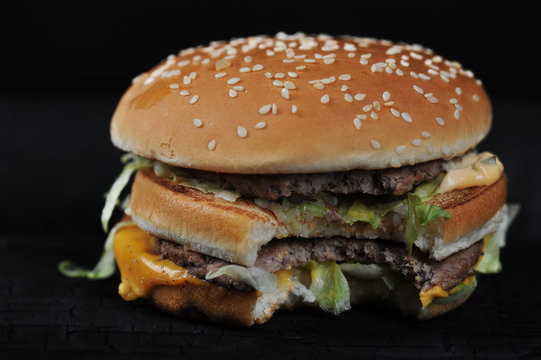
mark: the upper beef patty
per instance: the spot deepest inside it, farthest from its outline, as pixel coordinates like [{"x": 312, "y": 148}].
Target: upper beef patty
[{"x": 393, "y": 181}]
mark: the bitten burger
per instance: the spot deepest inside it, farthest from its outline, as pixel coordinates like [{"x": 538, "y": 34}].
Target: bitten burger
[{"x": 294, "y": 170}]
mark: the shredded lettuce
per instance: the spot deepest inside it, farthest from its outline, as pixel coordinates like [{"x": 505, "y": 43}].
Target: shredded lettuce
[
  {"x": 490, "y": 262},
  {"x": 105, "y": 266},
  {"x": 133, "y": 163},
  {"x": 330, "y": 287},
  {"x": 419, "y": 212},
  {"x": 359, "y": 210},
  {"x": 257, "y": 278}
]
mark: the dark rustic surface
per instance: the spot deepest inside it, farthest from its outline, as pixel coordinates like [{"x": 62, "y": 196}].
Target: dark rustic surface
[{"x": 53, "y": 195}]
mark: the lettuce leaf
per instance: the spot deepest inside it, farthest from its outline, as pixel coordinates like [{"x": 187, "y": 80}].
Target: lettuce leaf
[
  {"x": 457, "y": 292},
  {"x": 490, "y": 262},
  {"x": 106, "y": 264},
  {"x": 257, "y": 278},
  {"x": 419, "y": 212},
  {"x": 359, "y": 210},
  {"x": 330, "y": 287},
  {"x": 133, "y": 163}
]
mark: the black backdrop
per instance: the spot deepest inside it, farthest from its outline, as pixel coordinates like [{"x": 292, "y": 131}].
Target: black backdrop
[{"x": 63, "y": 67}]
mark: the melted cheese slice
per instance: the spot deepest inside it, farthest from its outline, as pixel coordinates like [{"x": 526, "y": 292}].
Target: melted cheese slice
[
  {"x": 427, "y": 296},
  {"x": 472, "y": 170},
  {"x": 140, "y": 269}
]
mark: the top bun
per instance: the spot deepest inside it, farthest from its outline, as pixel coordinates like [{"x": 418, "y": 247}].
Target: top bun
[{"x": 302, "y": 104}]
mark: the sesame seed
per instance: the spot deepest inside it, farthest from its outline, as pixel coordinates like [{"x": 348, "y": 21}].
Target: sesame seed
[
  {"x": 440, "y": 121},
  {"x": 414, "y": 74},
  {"x": 344, "y": 77},
  {"x": 433, "y": 99},
  {"x": 278, "y": 83},
  {"x": 193, "y": 75},
  {"x": 457, "y": 114},
  {"x": 265, "y": 109},
  {"x": 292, "y": 74},
  {"x": 459, "y": 107},
  {"x": 375, "y": 144},
  {"x": 362, "y": 116},
  {"x": 445, "y": 150},
  {"x": 426, "y": 135},
  {"x": 220, "y": 75},
  {"x": 432, "y": 72},
  {"x": 260, "y": 125},
  {"x": 232, "y": 93},
  {"x": 257, "y": 67},
  {"x": 270, "y": 53},
  {"x": 279, "y": 75},
  {"x": 359, "y": 97},
  {"x": 241, "y": 131},
  {"x": 325, "y": 99},
  {"x": 274, "y": 109},
  {"x": 400, "y": 149},
  {"x": 386, "y": 96},
  {"x": 311, "y": 61},
  {"x": 289, "y": 85},
  {"x": 458, "y": 91},
  {"x": 285, "y": 93},
  {"x": 348, "y": 98},
  {"x": 328, "y": 61},
  {"x": 222, "y": 64},
  {"x": 319, "y": 85},
  {"x": 399, "y": 72},
  {"x": 183, "y": 63},
  {"x": 194, "y": 99},
  {"x": 367, "y": 108},
  {"x": 424, "y": 77},
  {"x": 363, "y": 61},
  {"x": 377, "y": 106},
  {"x": 248, "y": 59},
  {"x": 197, "y": 122},
  {"x": 187, "y": 80},
  {"x": 418, "y": 89},
  {"x": 417, "y": 142},
  {"x": 374, "y": 115},
  {"x": 233, "y": 81},
  {"x": 476, "y": 98},
  {"x": 268, "y": 75},
  {"x": 212, "y": 145},
  {"x": 406, "y": 117},
  {"x": 404, "y": 63},
  {"x": 184, "y": 92},
  {"x": 395, "y": 112},
  {"x": 244, "y": 69},
  {"x": 238, "y": 88},
  {"x": 293, "y": 109},
  {"x": 344, "y": 88},
  {"x": 287, "y": 61},
  {"x": 174, "y": 86},
  {"x": 302, "y": 67},
  {"x": 357, "y": 123},
  {"x": 453, "y": 100}
]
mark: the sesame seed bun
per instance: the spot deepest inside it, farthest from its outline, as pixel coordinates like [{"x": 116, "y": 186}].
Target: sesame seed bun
[{"x": 302, "y": 104}]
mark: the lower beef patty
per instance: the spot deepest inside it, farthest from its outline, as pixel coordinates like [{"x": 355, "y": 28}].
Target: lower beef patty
[
  {"x": 393, "y": 181},
  {"x": 297, "y": 252}
]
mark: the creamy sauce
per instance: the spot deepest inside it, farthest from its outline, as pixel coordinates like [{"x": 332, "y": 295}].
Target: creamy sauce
[
  {"x": 472, "y": 170},
  {"x": 140, "y": 269}
]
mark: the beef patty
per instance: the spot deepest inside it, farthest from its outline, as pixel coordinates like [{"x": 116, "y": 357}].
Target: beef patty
[
  {"x": 393, "y": 181},
  {"x": 297, "y": 252}
]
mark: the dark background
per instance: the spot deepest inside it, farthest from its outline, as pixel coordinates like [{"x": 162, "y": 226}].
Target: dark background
[{"x": 63, "y": 68}]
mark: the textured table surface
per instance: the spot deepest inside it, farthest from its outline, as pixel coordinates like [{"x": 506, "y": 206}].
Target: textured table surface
[{"x": 58, "y": 163}]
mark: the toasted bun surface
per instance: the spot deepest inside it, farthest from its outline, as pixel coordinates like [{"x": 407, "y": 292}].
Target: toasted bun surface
[
  {"x": 235, "y": 231},
  {"x": 302, "y": 104}
]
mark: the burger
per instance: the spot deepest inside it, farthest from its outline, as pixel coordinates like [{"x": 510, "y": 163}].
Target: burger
[{"x": 280, "y": 171}]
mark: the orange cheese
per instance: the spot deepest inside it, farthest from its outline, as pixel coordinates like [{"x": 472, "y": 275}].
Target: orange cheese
[
  {"x": 140, "y": 269},
  {"x": 427, "y": 296}
]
